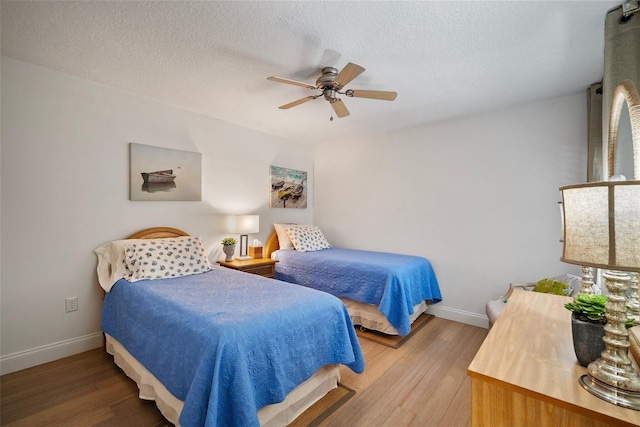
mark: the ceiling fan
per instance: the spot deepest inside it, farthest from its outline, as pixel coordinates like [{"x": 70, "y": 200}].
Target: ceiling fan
[{"x": 330, "y": 84}]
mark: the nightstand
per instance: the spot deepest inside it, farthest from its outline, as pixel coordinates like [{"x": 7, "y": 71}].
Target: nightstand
[{"x": 261, "y": 266}]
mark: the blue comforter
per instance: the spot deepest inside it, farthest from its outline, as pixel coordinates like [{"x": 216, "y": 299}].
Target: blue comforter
[
  {"x": 228, "y": 343},
  {"x": 395, "y": 283}
]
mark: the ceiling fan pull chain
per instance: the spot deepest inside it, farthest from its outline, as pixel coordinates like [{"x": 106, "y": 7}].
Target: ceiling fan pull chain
[{"x": 331, "y": 115}]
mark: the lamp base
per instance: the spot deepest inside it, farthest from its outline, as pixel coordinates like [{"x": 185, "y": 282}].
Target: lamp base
[
  {"x": 587, "y": 281},
  {"x": 623, "y": 398},
  {"x": 633, "y": 300}
]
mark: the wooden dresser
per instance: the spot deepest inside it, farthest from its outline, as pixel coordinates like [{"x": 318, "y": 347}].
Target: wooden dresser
[{"x": 526, "y": 373}]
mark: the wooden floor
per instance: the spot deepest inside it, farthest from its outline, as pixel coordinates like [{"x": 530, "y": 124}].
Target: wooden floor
[{"x": 423, "y": 383}]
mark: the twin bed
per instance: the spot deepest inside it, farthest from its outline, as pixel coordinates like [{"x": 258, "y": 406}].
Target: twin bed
[
  {"x": 217, "y": 347},
  {"x": 383, "y": 292}
]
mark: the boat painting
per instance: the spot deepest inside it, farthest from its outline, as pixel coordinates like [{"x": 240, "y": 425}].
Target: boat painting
[
  {"x": 288, "y": 188},
  {"x": 163, "y": 174},
  {"x": 158, "y": 176}
]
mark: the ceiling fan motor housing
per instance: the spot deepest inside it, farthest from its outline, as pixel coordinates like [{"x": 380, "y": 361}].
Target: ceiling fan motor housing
[
  {"x": 329, "y": 94},
  {"x": 326, "y": 80}
]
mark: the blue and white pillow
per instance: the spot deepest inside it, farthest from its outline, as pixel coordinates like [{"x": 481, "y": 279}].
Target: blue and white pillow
[
  {"x": 165, "y": 258},
  {"x": 307, "y": 238}
]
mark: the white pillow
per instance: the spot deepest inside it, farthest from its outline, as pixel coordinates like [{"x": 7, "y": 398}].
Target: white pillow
[
  {"x": 283, "y": 238},
  {"x": 164, "y": 258},
  {"x": 307, "y": 238},
  {"x": 111, "y": 265}
]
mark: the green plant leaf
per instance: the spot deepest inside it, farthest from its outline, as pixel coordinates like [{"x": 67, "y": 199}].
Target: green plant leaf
[
  {"x": 228, "y": 241},
  {"x": 593, "y": 307}
]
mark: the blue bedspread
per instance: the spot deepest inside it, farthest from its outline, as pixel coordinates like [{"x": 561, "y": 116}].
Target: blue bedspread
[
  {"x": 393, "y": 282},
  {"x": 228, "y": 343}
]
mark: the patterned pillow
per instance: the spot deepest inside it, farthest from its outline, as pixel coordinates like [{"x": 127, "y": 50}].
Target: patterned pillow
[
  {"x": 165, "y": 258},
  {"x": 307, "y": 238}
]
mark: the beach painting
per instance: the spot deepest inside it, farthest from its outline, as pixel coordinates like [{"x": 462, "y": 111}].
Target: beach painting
[
  {"x": 288, "y": 188},
  {"x": 157, "y": 173}
]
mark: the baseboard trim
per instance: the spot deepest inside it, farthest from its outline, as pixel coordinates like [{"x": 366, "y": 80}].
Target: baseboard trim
[
  {"x": 456, "y": 315},
  {"x": 48, "y": 353}
]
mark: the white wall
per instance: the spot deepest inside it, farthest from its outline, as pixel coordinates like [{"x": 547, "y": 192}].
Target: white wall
[
  {"x": 65, "y": 189},
  {"x": 477, "y": 196}
]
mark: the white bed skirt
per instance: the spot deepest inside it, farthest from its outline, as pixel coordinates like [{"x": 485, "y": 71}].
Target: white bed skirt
[
  {"x": 279, "y": 414},
  {"x": 370, "y": 317}
]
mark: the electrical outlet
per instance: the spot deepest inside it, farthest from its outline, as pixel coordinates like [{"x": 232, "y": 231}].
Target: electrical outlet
[{"x": 71, "y": 304}]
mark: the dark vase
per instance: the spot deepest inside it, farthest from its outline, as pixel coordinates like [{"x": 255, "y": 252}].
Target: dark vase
[{"x": 587, "y": 340}]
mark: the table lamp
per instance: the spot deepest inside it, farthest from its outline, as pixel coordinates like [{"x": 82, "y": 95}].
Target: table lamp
[
  {"x": 602, "y": 230},
  {"x": 243, "y": 225}
]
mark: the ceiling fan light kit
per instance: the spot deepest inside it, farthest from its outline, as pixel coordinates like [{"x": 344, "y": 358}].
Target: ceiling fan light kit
[{"x": 330, "y": 84}]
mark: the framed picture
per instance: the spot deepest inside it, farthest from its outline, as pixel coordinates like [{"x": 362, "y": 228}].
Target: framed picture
[
  {"x": 288, "y": 188},
  {"x": 164, "y": 174}
]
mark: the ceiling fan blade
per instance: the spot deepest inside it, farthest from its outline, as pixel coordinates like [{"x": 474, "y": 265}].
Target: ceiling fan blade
[
  {"x": 372, "y": 94},
  {"x": 298, "y": 102},
  {"x": 340, "y": 108},
  {"x": 291, "y": 82},
  {"x": 348, "y": 73}
]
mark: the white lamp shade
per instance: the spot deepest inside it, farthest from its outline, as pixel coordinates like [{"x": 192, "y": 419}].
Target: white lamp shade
[
  {"x": 243, "y": 224},
  {"x": 602, "y": 225}
]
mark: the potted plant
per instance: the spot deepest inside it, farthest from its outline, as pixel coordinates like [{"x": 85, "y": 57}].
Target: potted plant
[
  {"x": 587, "y": 325},
  {"x": 229, "y": 247}
]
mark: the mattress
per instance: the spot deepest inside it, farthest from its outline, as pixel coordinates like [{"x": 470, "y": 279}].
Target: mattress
[
  {"x": 369, "y": 316},
  {"x": 276, "y": 415}
]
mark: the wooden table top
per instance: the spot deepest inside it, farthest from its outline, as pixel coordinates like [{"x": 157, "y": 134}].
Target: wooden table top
[{"x": 530, "y": 350}]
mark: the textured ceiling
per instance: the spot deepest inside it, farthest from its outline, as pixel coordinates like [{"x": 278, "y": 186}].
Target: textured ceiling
[{"x": 445, "y": 59}]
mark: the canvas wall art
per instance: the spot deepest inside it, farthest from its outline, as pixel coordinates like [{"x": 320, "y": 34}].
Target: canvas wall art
[
  {"x": 164, "y": 174},
  {"x": 288, "y": 188}
]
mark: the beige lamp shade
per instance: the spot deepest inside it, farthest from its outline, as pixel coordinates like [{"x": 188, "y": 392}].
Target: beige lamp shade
[
  {"x": 602, "y": 225},
  {"x": 243, "y": 224}
]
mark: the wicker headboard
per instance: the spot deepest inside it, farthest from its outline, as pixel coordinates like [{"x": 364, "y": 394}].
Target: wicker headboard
[
  {"x": 272, "y": 245},
  {"x": 158, "y": 233}
]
